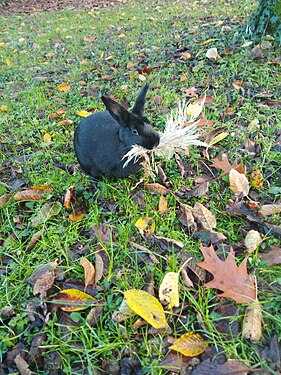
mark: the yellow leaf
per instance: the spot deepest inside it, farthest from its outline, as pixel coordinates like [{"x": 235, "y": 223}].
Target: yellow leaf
[
  {"x": 131, "y": 64},
  {"x": 132, "y": 75},
  {"x": 73, "y": 300},
  {"x": 256, "y": 179},
  {"x": 238, "y": 84},
  {"x": 190, "y": 344},
  {"x": 9, "y": 63},
  {"x": 238, "y": 182},
  {"x": 65, "y": 122},
  {"x": 169, "y": 289},
  {"x": 208, "y": 41},
  {"x": 194, "y": 109},
  {"x": 50, "y": 54},
  {"x": 47, "y": 138},
  {"x": 121, "y": 35},
  {"x": 83, "y": 113},
  {"x": 217, "y": 139},
  {"x": 3, "y": 108},
  {"x": 64, "y": 87},
  {"x": 146, "y": 225},
  {"x": 76, "y": 216},
  {"x": 3, "y": 44},
  {"x": 146, "y": 306}
]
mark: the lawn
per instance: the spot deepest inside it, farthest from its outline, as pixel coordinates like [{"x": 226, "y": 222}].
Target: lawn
[{"x": 54, "y": 68}]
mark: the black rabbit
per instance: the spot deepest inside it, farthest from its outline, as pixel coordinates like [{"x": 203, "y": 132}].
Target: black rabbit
[{"x": 103, "y": 138}]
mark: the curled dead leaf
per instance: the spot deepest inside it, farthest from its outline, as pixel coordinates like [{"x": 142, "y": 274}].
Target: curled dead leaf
[
  {"x": 252, "y": 323},
  {"x": 238, "y": 183},
  {"x": 252, "y": 240}
]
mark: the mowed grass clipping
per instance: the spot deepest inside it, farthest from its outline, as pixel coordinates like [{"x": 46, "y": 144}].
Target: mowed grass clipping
[{"x": 54, "y": 68}]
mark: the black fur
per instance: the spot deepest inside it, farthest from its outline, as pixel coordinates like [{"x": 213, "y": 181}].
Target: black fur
[{"x": 103, "y": 138}]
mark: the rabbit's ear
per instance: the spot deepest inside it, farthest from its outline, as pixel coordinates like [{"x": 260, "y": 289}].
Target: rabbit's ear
[
  {"x": 117, "y": 111},
  {"x": 139, "y": 104}
]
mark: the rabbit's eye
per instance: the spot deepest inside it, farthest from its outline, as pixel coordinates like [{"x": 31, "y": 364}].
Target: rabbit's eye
[{"x": 135, "y": 132}]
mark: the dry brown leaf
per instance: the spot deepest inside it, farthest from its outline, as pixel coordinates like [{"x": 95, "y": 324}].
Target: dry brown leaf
[
  {"x": 89, "y": 271},
  {"x": 163, "y": 205},
  {"x": 34, "y": 193},
  {"x": 204, "y": 216},
  {"x": 238, "y": 183},
  {"x": 273, "y": 257},
  {"x": 43, "y": 279},
  {"x": 35, "y": 238},
  {"x": 270, "y": 209},
  {"x": 22, "y": 365},
  {"x": 252, "y": 323},
  {"x": 157, "y": 188},
  {"x": 252, "y": 241},
  {"x": 233, "y": 280},
  {"x": 185, "y": 216},
  {"x": 99, "y": 268},
  {"x": 123, "y": 313},
  {"x": 224, "y": 164},
  {"x": 68, "y": 196}
]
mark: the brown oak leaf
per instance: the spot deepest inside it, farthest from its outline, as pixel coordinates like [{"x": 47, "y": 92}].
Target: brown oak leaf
[{"x": 233, "y": 280}]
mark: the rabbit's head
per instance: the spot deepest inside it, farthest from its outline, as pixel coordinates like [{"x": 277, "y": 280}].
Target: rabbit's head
[{"x": 134, "y": 126}]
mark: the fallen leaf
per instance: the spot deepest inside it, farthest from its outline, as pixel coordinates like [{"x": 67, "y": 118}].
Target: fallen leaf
[
  {"x": 76, "y": 216},
  {"x": 252, "y": 328},
  {"x": 43, "y": 279},
  {"x": 3, "y": 108},
  {"x": 169, "y": 290},
  {"x": 22, "y": 365},
  {"x": 64, "y": 87},
  {"x": 157, "y": 188},
  {"x": 185, "y": 216},
  {"x": 35, "y": 238},
  {"x": 238, "y": 183},
  {"x": 205, "y": 217},
  {"x": 212, "y": 54},
  {"x": 89, "y": 271},
  {"x": 185, "y": 55},
  {"x": 83, "y": 113},
  {"x": 256, "y": 179},
  {"x": 217, "y": 139},
  {"x": 225, "y": 165},
  {"x": 273, "y": 257},
  {"x": 99, "y": 268},
  {"x": 145, "y": 225},
  {"x": 270, "y": 209},
  {"x": 252, "y": 241},
  {"x": 167, "y": 244},
  {"x": 65, "y": 122},
  {"x": 34, "y": 193},
  {"x": 146, "y": 306},
  {"x": 233, "y": 280},
  {"x": 238, "y": 85},
  {"x": 46, "y": 212},
  {"x": 163, "y": 205},
  {"x": 230, "y": 367},
  {"x": 175, "y": 364},
  {"x": 123, "y": 313},
  {"x": 190, "y": 344},
  {"x": 71, "y": 300},
  {"x": 68, "y": 196},
  {"x": 194, "y": 109}
]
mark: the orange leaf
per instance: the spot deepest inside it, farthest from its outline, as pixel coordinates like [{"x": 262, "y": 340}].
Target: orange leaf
[
  {"x": 64, "y": 87},
  {"x": 68, "y": 196},
  {"x": 89, "y": 271},
  {"x": 76, "y": 216},
  {"x": 233, "y": 280}
]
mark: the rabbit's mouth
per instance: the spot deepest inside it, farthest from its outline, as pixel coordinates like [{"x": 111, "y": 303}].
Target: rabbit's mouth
[{"x": 153, "y": 142}]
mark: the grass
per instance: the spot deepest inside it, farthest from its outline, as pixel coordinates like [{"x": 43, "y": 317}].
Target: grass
[{"x": 91, "y": 50}]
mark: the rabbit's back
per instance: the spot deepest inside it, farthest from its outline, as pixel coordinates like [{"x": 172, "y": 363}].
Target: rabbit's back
[{"x": 98, "y": 147}]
